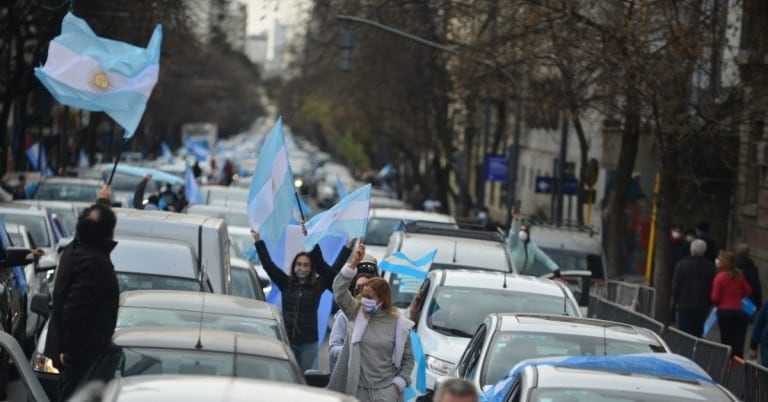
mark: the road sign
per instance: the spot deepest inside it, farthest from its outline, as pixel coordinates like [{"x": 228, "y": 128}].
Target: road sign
[
  {"x": 544, "y": 184},
  {"x": 495, "y": 168},
  {"x": 571, "y": 187}
]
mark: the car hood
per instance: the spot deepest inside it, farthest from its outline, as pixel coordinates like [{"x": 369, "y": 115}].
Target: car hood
[{"x": 448, "y": 348}]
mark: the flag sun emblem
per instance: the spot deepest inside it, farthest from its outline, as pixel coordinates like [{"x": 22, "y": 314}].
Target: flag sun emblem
[{"x": 100, "y": 80}]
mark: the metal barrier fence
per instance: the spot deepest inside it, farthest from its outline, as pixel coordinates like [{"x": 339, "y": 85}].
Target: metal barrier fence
[
  {"x": 755, "y": 382},
  {"x": 638, "y": 297}
]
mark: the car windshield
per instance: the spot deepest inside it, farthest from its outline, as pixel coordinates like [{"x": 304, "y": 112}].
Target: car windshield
[
  {"x": 509, "y": 348},
  {"x": 16, "y": 239},
  {"x": 458, "y": 311},
  {"x": 36, "y": 226},
  {"x": 598, "y": 395},
  {"x": 403, "y": 288},
  {"x": 379, "y": 230},
  {"x": 66, "y": 192},
  {"x": 67, "y": 218},
  {"x": 129, "y": 317},
  {"x": 243, "y": 282},
  {"x": 131, "y": 361},
  {"x": 133, "y": 281},
  {"x": 569, "y": 260}
]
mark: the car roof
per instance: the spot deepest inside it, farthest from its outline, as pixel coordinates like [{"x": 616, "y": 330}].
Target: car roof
[
  {"x": 566, "y": 239},
  {"x": 669, "y": 387},
  {"x": 22, "y": 209},
  {"x": 410, "y": 215},
  {"x": 71, "y": 180},
  {"x": 193, "y": 301},
  {"x": 216, "y": 208},
  {"x": 572, "y": 325},
  {"x": 483, "y": 254},
  {"x": 208, "y": 388},
  {"x": 496, "y": 280},
  {"x": 159, "y": 256},
  {"x": 212, "y": 340},
  {"x": 129, "y": 217},
  {"x": 55, "y": 204}
]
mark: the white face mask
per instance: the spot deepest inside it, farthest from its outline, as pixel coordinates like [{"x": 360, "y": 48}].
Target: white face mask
[
  {"x": 369, "y": 305},
  {"x": 523, "y": 235},
  {"x": 717, "y": 262},
  {"x": 302, "y": 272},
  {"x": 676, "y": 234}
]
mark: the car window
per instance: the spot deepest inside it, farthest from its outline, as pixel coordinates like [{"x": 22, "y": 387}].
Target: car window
[
  {"x": 132, "y": 281},
  {"x": 458, "y": 311},
  {"x": 243, "y": 284},
  {"x": 471, "y": 354},
  {"x": 509, "y": 348},
  {"x": 36, "y": 225},
  {"x": 65, "y": 192},
  {"x": 16, "y": 239},
  {"x": 379, "y": 230},
  {"x": 129, "y": 317},
  {"x": 127, "y": 362},
  {"x": 67, "y": 218},
  {"x": 403, "y": 289}
]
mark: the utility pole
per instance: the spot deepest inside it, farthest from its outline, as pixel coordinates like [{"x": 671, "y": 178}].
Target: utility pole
[
  {"x": 486, "y": 134},
  {"x": 561, "y": 169}
]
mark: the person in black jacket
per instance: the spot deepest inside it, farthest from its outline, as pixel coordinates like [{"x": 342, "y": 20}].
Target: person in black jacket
[
  {"x": 691, "y": 288},
  {"x": 751, "y": 274},
  {"x": 85, "y": 296},
  {"x": 300, "y": 292}
]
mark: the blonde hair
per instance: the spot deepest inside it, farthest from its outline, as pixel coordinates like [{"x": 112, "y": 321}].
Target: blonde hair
[
  {"x": 728, "y": 264},
  {"x": 381, "y": 287}
]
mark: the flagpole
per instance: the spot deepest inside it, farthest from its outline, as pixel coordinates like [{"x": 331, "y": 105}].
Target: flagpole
[
  {"x": 298, "y": 204},
  {"x": 117, "y": 160}
]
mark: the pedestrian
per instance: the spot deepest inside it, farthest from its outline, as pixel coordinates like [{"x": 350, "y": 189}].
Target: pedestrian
[
  {"x": 153, "y": 203},
  {"x": 691, "y": 289},
  {"x": 167, "y": 197},
  {"x": 524, "y": 252},
  {"x": 760, "y": 336},
  {"x": 376, "y": 361},
  {"x": 456, "y": 390},
  {"x": 182, "y": 199},
  {"x": 680, "y": 248},
  {"x": 690, "y": 235},
  {"x": 432, "y": 203},
  {"x": 228, "y": 172},
  {"x": 702, "y": 232},
  {"x": 749, "y": 269},
  {"x": 138, "y": 192},
  {"x": 301, "y": 290},
  {"x": 366, "y": 270},
  {"x": 197, "y": 171},
  {"x": 85, "y": 296},
  {"x": 20, "y": 191},
  {"x": 728, "y": 288}
]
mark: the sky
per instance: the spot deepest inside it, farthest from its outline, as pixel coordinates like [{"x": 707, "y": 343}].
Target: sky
[{"x": 261, "y": 13}]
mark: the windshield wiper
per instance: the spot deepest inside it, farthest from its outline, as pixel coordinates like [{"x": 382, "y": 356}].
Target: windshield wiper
[{"x": 451, "y": 331}]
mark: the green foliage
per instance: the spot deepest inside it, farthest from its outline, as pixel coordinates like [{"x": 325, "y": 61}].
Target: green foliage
[{"x": 351, "y": 150}]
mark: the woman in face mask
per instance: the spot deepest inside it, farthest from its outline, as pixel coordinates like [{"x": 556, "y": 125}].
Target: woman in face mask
[
  {"x": 524, "y": 252},
  {"x": 728, "y": 289},
  {"x": 339, "y": 330},
  {"x": 301, "y": 290},
  {"x": 376, "y": 360}
]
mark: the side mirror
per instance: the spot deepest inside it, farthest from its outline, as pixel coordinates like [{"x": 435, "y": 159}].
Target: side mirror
[
  {"x": 45, "y": 264},
  {"x": 317, "y": 378},
  {"x": 41, "y": 304},
  {"x": 15, "y": 256}
]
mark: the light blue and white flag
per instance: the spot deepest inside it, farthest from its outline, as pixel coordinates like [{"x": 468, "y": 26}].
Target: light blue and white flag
[
  {"x": 400, "y": 264},
  {"x": 38, "y": 160},
  {"x": 191, "y": 189},
  {"x": 271, "y": 195},
  {"x": 197, "y": 148},
  {"x": 341, "y": 189},
  {"x": 347, "y": 219},
  {"x": 82, "y": 160},
  {"x": 89, "y": 72},
  {"x": 386, "y": 171},
  {"x": 166, "y": 152}
]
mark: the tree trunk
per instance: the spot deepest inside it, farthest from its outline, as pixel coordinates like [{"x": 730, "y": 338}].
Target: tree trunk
[
  {"x": 584, "y": 163},
  {"x": 615, "y": 214},
  {"x": 662, "y": 269}
]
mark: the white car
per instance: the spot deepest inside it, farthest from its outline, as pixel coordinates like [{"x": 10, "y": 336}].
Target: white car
[
  {"x": 455, "y": 302},
  {"x": 572, "y": 249},
  {"x": 383, "y": 221}
]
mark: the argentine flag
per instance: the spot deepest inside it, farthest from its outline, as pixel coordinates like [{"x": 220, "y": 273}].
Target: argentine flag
[
  {"x": 166, "y": 152},
  {"x": 102, "y": 75},
  {"x": 400, "y": 264},
  {"x": 348, "y": 219},
  {"x": 198, "y": 149},
  {"x": 37, "y": 159},
  {"x": 271, "y": 195},
  {"x": 191, "y": 190}
]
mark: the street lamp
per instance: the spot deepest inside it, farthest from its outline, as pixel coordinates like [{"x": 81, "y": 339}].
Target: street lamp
[{"x": 514, "y": 150}]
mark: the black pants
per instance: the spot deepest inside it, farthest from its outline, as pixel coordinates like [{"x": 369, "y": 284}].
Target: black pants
[
  {"x": 69, "y": 379},
  {"x": 733, "y": 330},
  {"x": 691, "y": 321}
]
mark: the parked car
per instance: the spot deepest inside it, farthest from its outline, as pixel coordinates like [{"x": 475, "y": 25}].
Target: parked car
[
  {"x": 193, "y": 351},
  {"x": 241, "y": 240},
  {"x": 65, "y": 211},
  {"x": 383, "y": 221},
  {"x": 455, "y": 302},
  {"x": 640, "y": 377},
  {"x": 37, "y": 221},
  {"x": 505, "y": 339},
  {"x": 571, "y": 249},
  {"x": 168, "y": 308},
  {"x": 456, "y": 249},
  {"x": 67, "y": 189}
]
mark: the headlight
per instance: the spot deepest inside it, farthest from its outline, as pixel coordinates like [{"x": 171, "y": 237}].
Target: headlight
[
  {"x": 42, "y": 363},
  {"x": 298, "y": 183},
  {"x": 439, "y": 366}
]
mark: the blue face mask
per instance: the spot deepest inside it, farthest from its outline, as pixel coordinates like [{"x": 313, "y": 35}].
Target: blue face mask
[{"x": 369, "y": 305}]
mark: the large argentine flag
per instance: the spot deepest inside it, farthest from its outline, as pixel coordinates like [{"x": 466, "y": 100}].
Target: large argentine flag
[
  {"x": 93, "y": 73},
  {"x": 191, "y": 189},
  {"x": 348, "y": 219},
  {"x": 400, "y": 264},
  {"x": 270, "y": 198}
]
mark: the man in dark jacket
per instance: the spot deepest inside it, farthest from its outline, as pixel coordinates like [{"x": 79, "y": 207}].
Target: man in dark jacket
[
  {"x": 748, "y": 267},
  {"x": 85, "y": 296},
  {"x": 691, "y": 288},
  {"x": 702, "y": 232},
  {"x": 680, "y": 247}
]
